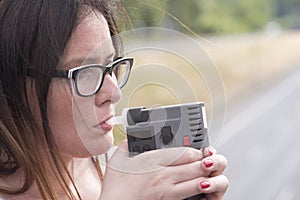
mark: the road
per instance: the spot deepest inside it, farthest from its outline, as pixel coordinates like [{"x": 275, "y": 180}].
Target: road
[{"x": 261, "y": 140}]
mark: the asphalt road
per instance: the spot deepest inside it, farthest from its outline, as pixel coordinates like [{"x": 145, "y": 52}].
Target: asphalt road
[{"x": 261, "y": 140}]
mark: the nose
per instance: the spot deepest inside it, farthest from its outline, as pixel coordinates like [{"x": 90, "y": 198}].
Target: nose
[{"x": 109, "y": 91}]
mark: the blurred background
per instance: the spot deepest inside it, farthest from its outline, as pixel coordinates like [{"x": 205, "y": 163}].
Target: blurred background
[{"x": 254, "y": 45}]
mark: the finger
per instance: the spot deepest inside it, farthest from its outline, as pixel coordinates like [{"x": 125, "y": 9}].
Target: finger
[
  {"x": 190, "y": 188},
  {"x": 214, "y": 185},
  {"x": 214, "y": 196},
  {"x": 210, "y": 166},
  {"x": 122, "y": 149},
  {"x": 124, "y": 145},
  {"x": 119, "y": 157},
  {"x": 214, "y": 165},
  {"x": 186, "y": 172},
  {"x": 209, "y": 151},
  {"x": 190, "y": 155},
  {"x": 174, "y": 156}
]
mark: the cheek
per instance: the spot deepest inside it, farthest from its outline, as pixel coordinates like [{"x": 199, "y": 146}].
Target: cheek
[
  {"x": 71, "y": 120},
  {"x": 60, "y": 117},
  {"x": 59, "y": 105},
  {"x": 87, "y": 125}
]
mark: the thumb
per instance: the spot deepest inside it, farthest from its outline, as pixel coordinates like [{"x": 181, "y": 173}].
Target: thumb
[
  {"x": 121, "y": 155},
  {"x": 122, "y": 150},
  {"x": 124, "y": 145}
]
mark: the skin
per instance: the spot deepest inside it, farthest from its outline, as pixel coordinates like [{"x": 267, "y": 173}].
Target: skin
[
  {"x": 78, "y": 128},
  {"x": 76, "y": 115},
  {"x": 172, "y": 173},
  {"x": 76, "y": 119}
]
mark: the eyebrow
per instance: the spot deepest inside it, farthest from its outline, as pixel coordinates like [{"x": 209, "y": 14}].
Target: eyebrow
[{"x": 76, "y": 62}]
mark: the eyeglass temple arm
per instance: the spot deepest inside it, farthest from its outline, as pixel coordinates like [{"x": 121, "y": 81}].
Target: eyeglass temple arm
[
  {"x": 58, "y": 73},
  {"x": 61, "y": 73}
]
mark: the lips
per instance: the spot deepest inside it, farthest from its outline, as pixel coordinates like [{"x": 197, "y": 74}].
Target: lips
[{"x": 105, "y": 127}]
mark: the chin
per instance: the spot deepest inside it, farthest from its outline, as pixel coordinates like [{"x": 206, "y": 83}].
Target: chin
[
  {"x": 101, "y": 145},
  {"x": 109, "y": 141},
  {"x": 94, "y": 140}
]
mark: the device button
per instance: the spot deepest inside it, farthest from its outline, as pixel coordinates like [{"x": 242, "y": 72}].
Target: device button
[
  {"x": 146, "y": 148},
  {"x": 186, "y": 141},
  {"x": 166, "y": 135},
  {"x": 136, "y": 149}
]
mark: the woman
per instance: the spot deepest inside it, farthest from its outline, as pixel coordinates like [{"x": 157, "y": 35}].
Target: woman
[{"x": 60, "y": 77}]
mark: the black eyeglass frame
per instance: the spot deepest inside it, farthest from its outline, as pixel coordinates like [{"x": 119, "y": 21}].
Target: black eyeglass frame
[{"x": 72, "y": 73}]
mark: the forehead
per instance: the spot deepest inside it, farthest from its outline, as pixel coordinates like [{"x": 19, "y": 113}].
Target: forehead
[{"x": 90, "y": 40}]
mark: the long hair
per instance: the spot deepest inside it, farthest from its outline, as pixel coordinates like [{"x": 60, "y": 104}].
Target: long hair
[{"x": 34, "y": 33}]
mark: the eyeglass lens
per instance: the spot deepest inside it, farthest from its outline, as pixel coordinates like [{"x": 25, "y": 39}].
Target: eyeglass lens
[
  {"x": 89, "y": 79},
  {"x": 121, "y": 71}
]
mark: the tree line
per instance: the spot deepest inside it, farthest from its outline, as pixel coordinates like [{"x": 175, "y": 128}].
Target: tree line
[{"x": 214, "y": 16}]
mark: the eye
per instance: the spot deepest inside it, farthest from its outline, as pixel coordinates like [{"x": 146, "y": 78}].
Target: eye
[
  {"x": 89, "y": 79},
  {"x": 89, "y": 73}
]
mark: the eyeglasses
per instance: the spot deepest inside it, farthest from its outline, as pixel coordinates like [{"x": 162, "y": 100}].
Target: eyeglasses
[{"x": 88, "y": 79}]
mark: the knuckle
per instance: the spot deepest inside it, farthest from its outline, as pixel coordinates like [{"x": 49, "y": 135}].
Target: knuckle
[
  {"x": 226, "y": 182},
  {"x": 192, "y": 154},
  {"x": 220, "y": 161},
  {"x": 221, "y": 183},
  {"x": 223, "y": 161}
]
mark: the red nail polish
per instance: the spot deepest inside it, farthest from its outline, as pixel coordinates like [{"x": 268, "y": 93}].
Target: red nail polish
[
  {"x": 210, "y": 152},
  {"x": 204, "y": 184},
  {"x": 208, "y": 163}
]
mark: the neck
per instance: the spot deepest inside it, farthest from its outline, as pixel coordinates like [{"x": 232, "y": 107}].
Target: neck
[{"x": 82, "y": 171}]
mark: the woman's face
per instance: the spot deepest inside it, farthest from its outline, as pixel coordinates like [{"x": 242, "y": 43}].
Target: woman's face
[{"x": 78, "y": 123}]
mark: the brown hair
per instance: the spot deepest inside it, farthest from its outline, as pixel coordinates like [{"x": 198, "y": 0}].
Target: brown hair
[{"x": 35, "y": 33}]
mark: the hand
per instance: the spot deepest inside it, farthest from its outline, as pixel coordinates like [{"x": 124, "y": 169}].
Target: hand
[
  {"x": 215, "y": 185},
  {"x": 171, "y": 173}
]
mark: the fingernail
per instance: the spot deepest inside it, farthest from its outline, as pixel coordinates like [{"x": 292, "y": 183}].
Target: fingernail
[
  {"x": 204, "y": 184},
  {"x": 210, "y": 152},
  {"x": 208, "y": 163}
]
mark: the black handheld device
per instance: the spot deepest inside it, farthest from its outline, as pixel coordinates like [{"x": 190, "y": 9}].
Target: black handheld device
[{"x": 167, "y": 126}]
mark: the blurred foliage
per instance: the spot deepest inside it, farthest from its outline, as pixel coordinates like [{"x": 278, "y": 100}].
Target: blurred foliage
[
  {"x": 288, "y": 13},
  {"x": 224, "y": 16},
  {"x": 214, "y": 16}
]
